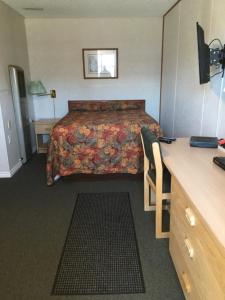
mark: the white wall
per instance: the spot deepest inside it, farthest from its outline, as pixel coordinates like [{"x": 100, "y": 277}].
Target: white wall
[
  {"x": 4, "y": 163},
  {"x": 55, "y": 54},
  {"x": 188, "y": 108},
  {"x": 13, "y": 50}
]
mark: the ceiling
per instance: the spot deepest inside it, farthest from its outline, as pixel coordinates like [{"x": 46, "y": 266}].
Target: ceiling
[{"x": 90, "y": 8}]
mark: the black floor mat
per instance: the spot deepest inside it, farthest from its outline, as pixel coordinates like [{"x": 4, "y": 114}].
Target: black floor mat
[{"x": 100, "y": 255}]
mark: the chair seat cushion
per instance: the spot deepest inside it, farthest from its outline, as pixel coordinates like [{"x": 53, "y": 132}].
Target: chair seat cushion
[{"x": 166, "y": 179}]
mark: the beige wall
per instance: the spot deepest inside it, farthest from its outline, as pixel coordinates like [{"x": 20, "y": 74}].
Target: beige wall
[
  {"x": 13, "y": 50},
  {"x": 55, "y": 47},
  {"x": 188, "y": 108}
]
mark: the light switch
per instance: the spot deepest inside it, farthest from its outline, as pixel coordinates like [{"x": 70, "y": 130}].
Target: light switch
[{"x": 9, "y": 125}]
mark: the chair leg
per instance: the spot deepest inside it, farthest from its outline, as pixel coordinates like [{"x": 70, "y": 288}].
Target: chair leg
[
  {"x": 147, "y": 197},
  {"x": 147, "y": 193},
  {"x": 158, "y": 219}
]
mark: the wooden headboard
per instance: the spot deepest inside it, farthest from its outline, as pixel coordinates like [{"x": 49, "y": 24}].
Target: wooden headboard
[{"x": 105, "y": 105}]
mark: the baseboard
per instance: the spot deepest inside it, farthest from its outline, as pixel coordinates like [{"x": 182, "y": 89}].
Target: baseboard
[
  {"x": 15, "y": 168},
  {"x": 5, "y": 175},
  {"x": 10, "y": 173}
]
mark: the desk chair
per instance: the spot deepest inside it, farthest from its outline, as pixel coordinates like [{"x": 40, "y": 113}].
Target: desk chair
[{"x": 157, "y": 177}]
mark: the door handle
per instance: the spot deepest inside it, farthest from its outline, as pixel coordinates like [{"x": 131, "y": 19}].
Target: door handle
[
  {"x": 190, "y": 217},
  {"x": 189, "y": 247}
]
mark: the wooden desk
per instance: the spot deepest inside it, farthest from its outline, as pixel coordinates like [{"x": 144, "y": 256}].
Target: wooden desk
[{"x": 197, "y": 238}]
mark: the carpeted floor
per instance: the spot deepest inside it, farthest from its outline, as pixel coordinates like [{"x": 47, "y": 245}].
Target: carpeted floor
[{"x": 34, "y": 221}]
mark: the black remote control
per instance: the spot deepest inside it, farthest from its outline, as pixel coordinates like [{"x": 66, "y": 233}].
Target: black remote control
[
  {"x": 166, "y": 140},
  {"x": 219, "y": 161}
]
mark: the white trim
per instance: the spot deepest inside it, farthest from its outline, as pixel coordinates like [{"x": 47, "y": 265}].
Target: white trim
[
  {"x": 15, "y": 168},
  {"x": 8, "y": 174},
  {"x": 5, "y": 174}
]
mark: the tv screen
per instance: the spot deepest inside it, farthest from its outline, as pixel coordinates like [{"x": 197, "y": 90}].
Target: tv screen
[{"x": 203, "y": 56}]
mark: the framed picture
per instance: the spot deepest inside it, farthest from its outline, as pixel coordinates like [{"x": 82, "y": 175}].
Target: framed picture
[{"x": 100, "y": 63}]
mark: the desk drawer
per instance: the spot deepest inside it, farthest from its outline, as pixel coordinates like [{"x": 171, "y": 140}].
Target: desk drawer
[
  {"x": 197, "y": 262},
  {"x": 185, "y": 277},
  {"x": 202, "y": 253}
]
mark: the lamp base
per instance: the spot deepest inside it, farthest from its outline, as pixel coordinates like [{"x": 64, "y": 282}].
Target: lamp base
[{"x": 53, "y": 93}]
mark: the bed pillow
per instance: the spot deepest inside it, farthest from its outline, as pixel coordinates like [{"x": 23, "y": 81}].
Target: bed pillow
[{"x": 111, "y": 105}]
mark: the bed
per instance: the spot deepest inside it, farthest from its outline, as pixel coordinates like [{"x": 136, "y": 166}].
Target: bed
[{"x": 99, "y": 137}]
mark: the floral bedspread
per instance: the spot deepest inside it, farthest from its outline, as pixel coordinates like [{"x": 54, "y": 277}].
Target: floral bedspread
[{"x": 98, "y": 142}]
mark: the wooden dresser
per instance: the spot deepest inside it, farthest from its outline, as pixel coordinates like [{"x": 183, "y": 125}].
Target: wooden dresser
[{"x": 197, "y": 228}]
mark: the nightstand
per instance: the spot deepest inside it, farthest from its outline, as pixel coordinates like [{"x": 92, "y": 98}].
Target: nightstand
[{"x": 43, "y": 128}]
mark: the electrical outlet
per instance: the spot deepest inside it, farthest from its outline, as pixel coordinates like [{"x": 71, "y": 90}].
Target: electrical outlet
[{"x": 9, "y": 139}]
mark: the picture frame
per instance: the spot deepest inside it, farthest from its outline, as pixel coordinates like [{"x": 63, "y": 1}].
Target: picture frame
[{"x": 100, "y": 63}]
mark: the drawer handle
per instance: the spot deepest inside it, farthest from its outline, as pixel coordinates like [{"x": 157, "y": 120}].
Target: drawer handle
[
  {"x": 190, "y": 217},
  {"x": 186, "y": 282},
  {"x": 189, "y": 248}
]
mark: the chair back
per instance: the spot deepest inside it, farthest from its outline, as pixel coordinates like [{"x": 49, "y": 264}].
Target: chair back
[{"x": 148, "y": 139}]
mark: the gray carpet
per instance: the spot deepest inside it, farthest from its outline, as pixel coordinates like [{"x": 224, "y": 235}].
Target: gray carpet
[{"x": 34, "y": 220}]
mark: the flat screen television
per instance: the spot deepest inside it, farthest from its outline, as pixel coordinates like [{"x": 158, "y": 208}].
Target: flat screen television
[{"x": 203, "y": 56}]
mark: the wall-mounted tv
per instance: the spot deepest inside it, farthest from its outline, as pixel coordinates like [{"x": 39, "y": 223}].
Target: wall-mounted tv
[
  {"x": 203, "y": 56},
  {"x": 209, "y": 56}
]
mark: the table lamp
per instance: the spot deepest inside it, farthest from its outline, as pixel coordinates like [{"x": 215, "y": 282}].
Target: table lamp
[{"x": 37, "y": 88}]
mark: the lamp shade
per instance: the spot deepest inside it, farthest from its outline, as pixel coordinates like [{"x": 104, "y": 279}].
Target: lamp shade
[{"x": 36, "y": 88}]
